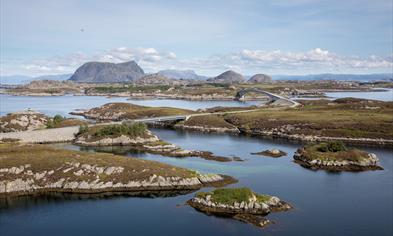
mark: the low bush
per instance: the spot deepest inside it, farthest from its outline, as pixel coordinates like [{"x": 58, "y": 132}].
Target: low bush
[
  {"x": 133, "y": 130},
  {"x": 336, "y": 146}
]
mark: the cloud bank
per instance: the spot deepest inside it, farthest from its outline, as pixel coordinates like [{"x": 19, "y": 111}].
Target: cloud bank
[{"x": 245, "y": 61}]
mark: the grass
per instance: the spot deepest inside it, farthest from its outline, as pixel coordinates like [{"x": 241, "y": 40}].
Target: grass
[
  {"x": 351, "y": 120},
  {"x": 102, "y": 131},
  {"x": 131, "y": 111},
  {"x": 231, "y": 195},
  {"x": 208, "y": 121},
  {"x": 43, "y": 157},
  {"x": 318, "y": 152},
  {"x": 59, "y": 121}
]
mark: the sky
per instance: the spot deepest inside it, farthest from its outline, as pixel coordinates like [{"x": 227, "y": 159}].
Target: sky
[{"x": 44, "y": 37}]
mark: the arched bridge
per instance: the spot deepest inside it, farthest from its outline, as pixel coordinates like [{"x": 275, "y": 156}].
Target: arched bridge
[{"x": 274, "y": 98}]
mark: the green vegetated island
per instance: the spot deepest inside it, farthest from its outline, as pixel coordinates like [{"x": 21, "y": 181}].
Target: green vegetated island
[
  {"x": 31, "y": 168},
  {"x": 239, "y": 203}
]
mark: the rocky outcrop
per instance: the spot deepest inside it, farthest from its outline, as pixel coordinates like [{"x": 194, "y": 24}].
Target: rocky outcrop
[
  {"x": 284, "y": 132},
  {"x": 154, "y": 79},
  {"x": 85, "y": 178},
  {"x": 228, "y": 77},
  {"x": 105, "y": 72},
  {"x": 360, "y": 163},
  {"x": 260, "y": 78},
  {"x": 271, "y": 153},
  {"x": 121, "y": 140},
  {"x": 207, "y": 129},
  {"x": 250, "y": 210},
  {"x": 22, "y": 121}
]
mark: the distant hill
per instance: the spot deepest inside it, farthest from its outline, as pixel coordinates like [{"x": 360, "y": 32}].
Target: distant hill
[
  {"x": 228, "y": 77},
  {"x": 182, "y": 74},
  {"x": 154, "y": 79},
  {"x": 352, "y": 77},
  {"x": 22, "y": 79},
  {"x": 259, "y": 78},
  {"x": 105, "y": 72}
]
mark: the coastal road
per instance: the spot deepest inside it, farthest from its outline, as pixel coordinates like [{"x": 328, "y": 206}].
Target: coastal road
[{"x": 67, "y": 134}]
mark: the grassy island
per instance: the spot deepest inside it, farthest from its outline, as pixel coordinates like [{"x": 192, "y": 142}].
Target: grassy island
[
  {"x": 122, "y": 111},
  {"x": 335, "y": 156},
  {"x": 26, "y": 169},
  {"x": 239, "y": 203}
]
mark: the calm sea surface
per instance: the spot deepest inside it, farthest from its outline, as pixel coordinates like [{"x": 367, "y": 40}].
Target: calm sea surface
[{"x": 325, "y": 203}]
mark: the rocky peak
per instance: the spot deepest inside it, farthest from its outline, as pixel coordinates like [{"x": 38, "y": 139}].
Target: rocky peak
[{"x": 228, "y": 77}]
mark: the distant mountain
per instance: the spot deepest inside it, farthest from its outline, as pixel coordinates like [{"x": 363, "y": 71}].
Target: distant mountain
[
  {"x": 228, "y": 77},
  {"x": 22, "y": 79},
  {"x": 182, "y": 74},
  {"x": 352, "y": 77},
  {"x": 105, "y": 72},
  {"x": 259, "y": 78},
  {"x": 154, "y": 79}
]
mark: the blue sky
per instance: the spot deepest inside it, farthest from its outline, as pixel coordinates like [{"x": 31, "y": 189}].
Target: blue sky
[{"x": 273, "y": 36}]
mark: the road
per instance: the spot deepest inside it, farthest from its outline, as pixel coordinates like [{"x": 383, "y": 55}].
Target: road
[{"x": 67, "y": 134}]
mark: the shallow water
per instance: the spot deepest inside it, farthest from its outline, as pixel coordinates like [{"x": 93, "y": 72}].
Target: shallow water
[
  {"x": 325, "y": 203},
  {"x": 381, "y": 95}
]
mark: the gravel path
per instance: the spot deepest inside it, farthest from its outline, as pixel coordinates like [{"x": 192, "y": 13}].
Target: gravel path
[{"x": 65, "y": 134}]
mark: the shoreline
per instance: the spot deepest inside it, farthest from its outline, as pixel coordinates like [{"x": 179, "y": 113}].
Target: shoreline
[{"x": 225, "y": 180}]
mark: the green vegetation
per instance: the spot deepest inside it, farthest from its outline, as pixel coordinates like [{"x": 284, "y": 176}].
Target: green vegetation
[
  {"x": 60, "y": 121},
  {"x": 132, "y": 130},
  {"x": 83, "y": 129},
  {"x": 342, "y": 118},
  {"x": 336, "y": 146},
  {"x": 333, "y": 151},
  {"x": 231, "y": 195},
  {"x": 208, "y": 121},
  {"x": 124, "y": 111},
  {"x": 100, "y": 131}
]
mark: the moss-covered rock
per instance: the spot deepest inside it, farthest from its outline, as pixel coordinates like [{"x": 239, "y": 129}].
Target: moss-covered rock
[
  {"x": 239, "y": 203},
  {"x": 335, "y": 157}
]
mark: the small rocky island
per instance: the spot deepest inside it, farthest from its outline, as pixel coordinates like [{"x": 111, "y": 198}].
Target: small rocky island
[
  {"x": 271, "y": 153},
  {"x": 335, "y": 156},
  {"x": 29, "y": 169},
  {"x": 33, "y": 120},
  {"x": 239, "y": 203},
  {"x": 137, "y": 136}
]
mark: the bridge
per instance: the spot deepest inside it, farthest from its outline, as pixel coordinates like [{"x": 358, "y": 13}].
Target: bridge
[
  {"x": 275, "y": 99},
  {"x": 67, "y": 134}
]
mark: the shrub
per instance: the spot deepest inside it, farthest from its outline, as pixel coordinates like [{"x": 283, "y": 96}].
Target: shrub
[
  {"x": 133, "y": 130},
  {"x": 83, "y": 129},
  {"x": 53, "y": 123},
  {"x": 336, "y": 146}
]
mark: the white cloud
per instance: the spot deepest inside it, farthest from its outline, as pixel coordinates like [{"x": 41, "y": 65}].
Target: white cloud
[{"x": 245, "y": 61}]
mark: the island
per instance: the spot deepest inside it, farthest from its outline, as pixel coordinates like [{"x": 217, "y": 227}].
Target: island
[
  {"x": 33, "y": 168},
  {"x": 271, "y": 153},
  {"x": 34, "y": 120},
  {"x": 239, "y": 203},
  {"x": 335, "y": 156},
  {"x": 137, "y": 136}
]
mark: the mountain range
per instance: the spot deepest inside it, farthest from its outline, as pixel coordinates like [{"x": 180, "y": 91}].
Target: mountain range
[{"x": 105, "y": 72}]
